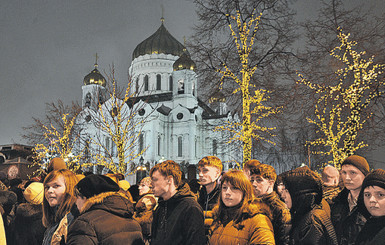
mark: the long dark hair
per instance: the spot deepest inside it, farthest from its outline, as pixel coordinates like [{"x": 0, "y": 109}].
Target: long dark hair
[
  {"x": 49, "y": 215},
  {"x": 238, "y": 180}
]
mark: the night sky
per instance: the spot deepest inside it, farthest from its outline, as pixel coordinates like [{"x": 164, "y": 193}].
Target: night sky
[{"x": 48, "y": 46}]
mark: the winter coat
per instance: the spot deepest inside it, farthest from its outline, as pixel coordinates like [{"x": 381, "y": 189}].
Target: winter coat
[
  {"x": 347, "y": 223},
  {"x": 313, "y": 228},
  {"x": 330, "y": 192},
  {"x": 57, "y": 233},
  {"x": 207, "y": 202},
  {"x": 281, "y": 218},
  {"x": 178, "y": 220},
  {"x": 373, "y": 232},
  {"x": 144, "y": 213},
  {"x": 106, "y": 219},
  {"x": 254, "y": 227},
  {"x": 27, "y": 227}
]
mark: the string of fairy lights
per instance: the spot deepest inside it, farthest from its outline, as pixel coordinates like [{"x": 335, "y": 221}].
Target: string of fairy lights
[{"x": 339, "y": 109}]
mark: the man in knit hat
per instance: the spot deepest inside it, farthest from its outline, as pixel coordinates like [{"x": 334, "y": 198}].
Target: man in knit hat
[
  {"x": 373, "y": 189},
  {"x": 348, "y": 212}
]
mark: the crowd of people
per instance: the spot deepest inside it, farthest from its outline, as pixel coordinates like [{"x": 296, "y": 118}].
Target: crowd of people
[{"x": 249, "y": 206}]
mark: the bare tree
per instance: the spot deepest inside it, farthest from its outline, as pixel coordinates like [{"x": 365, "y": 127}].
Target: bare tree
[{"x": 35, "y": 133}]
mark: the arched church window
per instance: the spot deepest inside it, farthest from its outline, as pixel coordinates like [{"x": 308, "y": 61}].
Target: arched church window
[
  {"x": 146, "y": 83},
  {"x": 170, "y": 83},
  {"x": 180, "y": 146},
  {"x": 141, "y": 143},
  {"x": 215, "y": 147},
  {"x": 88, "y": 100},
  {"x": 180, "y": 86},
  {"x": 158, "y": 82},
  {"x": 107, "y": 147},
  {"x": 159, "y": 144},
  {"x": 137, "y": 85}
]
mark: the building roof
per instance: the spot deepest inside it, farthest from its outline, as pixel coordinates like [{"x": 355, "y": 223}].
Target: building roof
[
  {"x": 184, "y": 63},
  {"x": 94, "y": 77},
  {"x": 161, "y": 42}
]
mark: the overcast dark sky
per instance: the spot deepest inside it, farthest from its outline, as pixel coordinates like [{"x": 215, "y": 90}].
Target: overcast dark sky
[{"x": 48, "y": 46}]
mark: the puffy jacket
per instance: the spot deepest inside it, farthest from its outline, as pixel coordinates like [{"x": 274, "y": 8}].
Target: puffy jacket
[
  {"x": 178, "y": 220},
  {"x": 254, "y": 227},
  {"x": 57, "y": 233},
  {"x": 106, "y": 219},
  {"x": 281, "y": 218},
  {"x": 347, "y": 223}
]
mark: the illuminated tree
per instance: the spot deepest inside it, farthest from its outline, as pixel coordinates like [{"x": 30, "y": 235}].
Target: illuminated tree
[
  {"x": 61, "y": 144},
  {"x": 253, "y": 99},
  {"x": 118, "y": 121},
  {"x": 321, "y": 34},
  {"x": 341, "y": 109}
]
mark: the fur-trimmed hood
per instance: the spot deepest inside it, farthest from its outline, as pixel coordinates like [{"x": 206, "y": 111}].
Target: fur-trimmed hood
[{"x": 117, "y": 203}]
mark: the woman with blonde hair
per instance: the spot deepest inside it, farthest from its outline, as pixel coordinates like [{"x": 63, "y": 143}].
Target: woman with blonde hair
[
  {"x": 145, "y": 207},
  {"x": 238, "y": 219},
  {"x": 59, "y": 199}
]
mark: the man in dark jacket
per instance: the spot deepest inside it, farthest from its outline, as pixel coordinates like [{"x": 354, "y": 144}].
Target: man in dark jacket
[
  {"x": 348, "y": 212},
  {"x": 263, "y": 178},
  {"x": 178, "y": 219},
  {"x": 105, "y": 214},
  {"x": 209, "y": 169}
]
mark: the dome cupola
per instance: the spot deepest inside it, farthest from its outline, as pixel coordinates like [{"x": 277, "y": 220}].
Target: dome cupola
[
  {"x": 161, "y": 42},
  {"x": 94, "y": 77},
  {"x": 184, "y": 63}
]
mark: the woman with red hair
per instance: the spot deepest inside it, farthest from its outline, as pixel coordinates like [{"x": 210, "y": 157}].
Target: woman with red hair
[{"x": 237, "y": 218}]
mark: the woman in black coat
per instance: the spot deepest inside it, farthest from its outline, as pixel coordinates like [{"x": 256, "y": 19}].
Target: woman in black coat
[{"x": 311, "y": 224}]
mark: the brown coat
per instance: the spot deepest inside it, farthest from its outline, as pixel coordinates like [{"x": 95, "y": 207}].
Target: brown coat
[{"x": 254, "y": 228}]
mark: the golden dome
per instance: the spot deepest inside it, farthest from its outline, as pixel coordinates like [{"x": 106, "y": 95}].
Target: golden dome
[
  {"x": 94, "y": 77},
  {"x": 161, "y": 42},
  {"x": 184, "y": 63}
]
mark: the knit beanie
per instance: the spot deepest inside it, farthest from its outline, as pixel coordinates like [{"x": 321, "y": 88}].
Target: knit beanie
[
  {"x": 56, "y": 164},
  {"x": 302, "y": 180},
  {"x": 95, "y": 184},
  {"x": 358, "y": 162},
  {"x": 124, "y": 184},
  {"x": 34, "y": 193},
  {"x": 377, "y": 178}
]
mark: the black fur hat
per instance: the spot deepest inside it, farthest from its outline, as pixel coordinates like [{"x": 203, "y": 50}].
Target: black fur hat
[{"x": 94, "y": 184}]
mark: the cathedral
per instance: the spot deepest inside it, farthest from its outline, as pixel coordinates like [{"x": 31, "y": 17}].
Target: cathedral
[{"x": 178, "y": 126}]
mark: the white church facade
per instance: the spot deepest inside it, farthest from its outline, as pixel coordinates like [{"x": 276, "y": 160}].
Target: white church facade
[{"x": 178, "y": 126}]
